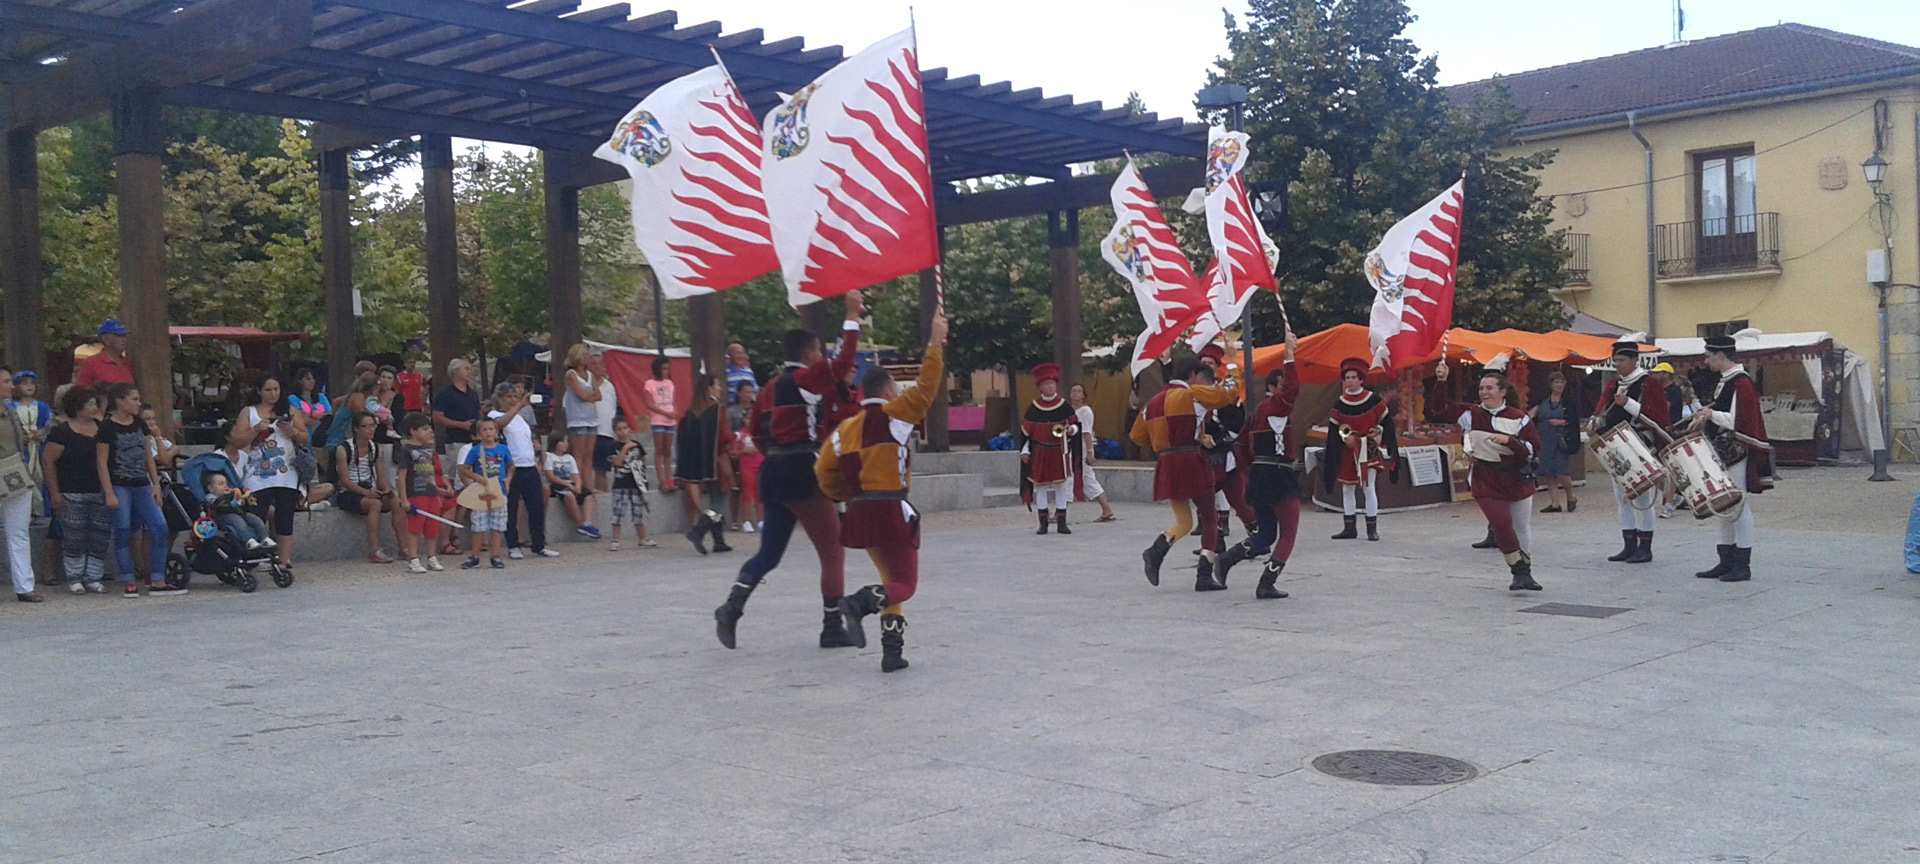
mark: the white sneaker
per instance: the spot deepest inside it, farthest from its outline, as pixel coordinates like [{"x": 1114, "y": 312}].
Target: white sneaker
[
  {"x": 747, "y": 528},
  {"x": 414, "y": 566},
  {"x": 270, "y": 543},
  {"x": 76, "y": 588},
  {"x": 515, "y": 553},
  {"x": 319, "y": 507},
  {"x": 613, "y": 546},
  {"x": 252, "y": 545},
  {"x": 96, "y": 587},
  {"x": 433, "y": 563},
  {"x": 549, "y": 553},
  {"x": 648, "y": 544}
]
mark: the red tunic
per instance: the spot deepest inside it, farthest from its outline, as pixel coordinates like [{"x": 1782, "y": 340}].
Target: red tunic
[
  {"x": 1645, "y": 401},
  {"x": 1505, "y": 479},
  {"x": 1736, "y": 404},
  {"x": 1047, "y": 451},
  {"x": 1354, "y": 417}
]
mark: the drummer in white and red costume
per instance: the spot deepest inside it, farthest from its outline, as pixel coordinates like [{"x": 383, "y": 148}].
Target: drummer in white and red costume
[
  {"x": 1734, "y": 411},
  {"x": 1502, "y": 441},
  {"x": 1634, "y": 398},
  {"x": 1361, "y": 443},
  {"x": 1049, "y": 437}
]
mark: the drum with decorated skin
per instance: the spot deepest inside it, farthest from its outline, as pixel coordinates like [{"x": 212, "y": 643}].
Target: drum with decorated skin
[
  {"x": 1699, "y": 477},
  {"x": 1628, "y": 459}
]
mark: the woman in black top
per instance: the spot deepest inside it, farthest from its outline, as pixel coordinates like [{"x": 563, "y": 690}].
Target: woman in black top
[
  {"x": 130, "y": 483},
  {"x": 699, "y": 463},
  {"x": 73, "y": 490}
]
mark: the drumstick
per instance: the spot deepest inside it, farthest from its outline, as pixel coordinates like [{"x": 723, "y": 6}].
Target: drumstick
[{"x": 419, "y": 512}]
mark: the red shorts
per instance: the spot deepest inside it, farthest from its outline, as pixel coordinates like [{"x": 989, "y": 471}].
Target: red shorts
[{"x": 421, "y": 526}]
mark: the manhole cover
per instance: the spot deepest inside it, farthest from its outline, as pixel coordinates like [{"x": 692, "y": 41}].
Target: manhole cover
[
  {"x": 1395, "y": 767},
  {"x": 1577, "y": 610}
]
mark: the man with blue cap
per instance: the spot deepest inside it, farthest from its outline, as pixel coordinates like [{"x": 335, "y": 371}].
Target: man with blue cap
[{"x": 111, "y": 365}]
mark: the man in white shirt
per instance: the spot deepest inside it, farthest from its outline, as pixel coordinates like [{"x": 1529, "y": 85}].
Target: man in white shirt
[{"x": 527, "y": 487}]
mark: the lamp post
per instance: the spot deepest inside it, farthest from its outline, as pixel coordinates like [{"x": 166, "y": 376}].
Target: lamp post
[
  {"x": 1233, "y": 97},
  {"x": 1875, "y": 171}
]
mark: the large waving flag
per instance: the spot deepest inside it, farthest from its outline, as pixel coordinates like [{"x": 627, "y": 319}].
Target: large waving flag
[
  {"x": 1243, "y": 255},
  {"x": 847, "y": 176},
  {"x": 693, "y": 152},
  {"x": 1412, "y": 276},
  {"x": 1142, "y": 248}
]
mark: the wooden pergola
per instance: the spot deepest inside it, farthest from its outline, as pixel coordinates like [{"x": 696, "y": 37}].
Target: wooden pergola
[{"x": 542, "y": 73}]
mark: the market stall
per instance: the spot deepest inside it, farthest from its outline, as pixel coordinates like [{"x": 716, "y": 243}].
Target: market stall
[{"x": 1816, "y": 395}]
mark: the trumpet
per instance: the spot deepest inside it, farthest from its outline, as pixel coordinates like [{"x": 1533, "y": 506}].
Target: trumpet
[{"x": 1060, "y": 431}]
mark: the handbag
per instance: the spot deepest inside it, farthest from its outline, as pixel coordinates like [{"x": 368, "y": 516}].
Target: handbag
[
  {"x": 16, "y": 476},
  {"x": 304, "y": 465}
]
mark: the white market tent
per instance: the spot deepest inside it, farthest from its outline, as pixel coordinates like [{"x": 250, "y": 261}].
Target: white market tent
[{"x": 1862, "y": 429}]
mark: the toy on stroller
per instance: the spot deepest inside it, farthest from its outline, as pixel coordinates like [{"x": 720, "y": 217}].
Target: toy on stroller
[{"x": 210, "y": 549}]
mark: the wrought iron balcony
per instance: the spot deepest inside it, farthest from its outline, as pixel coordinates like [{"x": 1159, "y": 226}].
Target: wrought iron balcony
[
  {"x": 1574, "y": 272},
  {"x": 1716, "y": 246}
]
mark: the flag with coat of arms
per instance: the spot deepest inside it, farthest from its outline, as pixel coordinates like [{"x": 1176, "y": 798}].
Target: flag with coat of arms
[
  {"x": 1412, "y": 273},
  {"x": 1142, "y": 248}
]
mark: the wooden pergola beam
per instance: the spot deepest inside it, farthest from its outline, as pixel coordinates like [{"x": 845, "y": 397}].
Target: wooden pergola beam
[
  {"x": 202, "y": 42},
  {"x": 1092, "y": 190}
]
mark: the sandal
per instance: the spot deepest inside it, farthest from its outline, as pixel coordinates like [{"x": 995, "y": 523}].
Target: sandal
[
  {"x": 1551, "y": 508},
  {"x": 1108, "y": 518}
]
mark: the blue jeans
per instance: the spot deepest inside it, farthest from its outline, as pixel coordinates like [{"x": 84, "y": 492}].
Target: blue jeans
[{"x": 139, "y": 512}]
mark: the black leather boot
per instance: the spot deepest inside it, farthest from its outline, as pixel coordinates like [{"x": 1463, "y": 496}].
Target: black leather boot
[
  {"x": 1631, "y": 539},
  {"x": 1488, "y": 543},
  {"x": 1642, "y": 548},
  {"x": 833, "y": 629},
  {"x": 1203, "y": 576},
  {"x": 719, "y": 532},
  {"x": 1154, "y": 555},
  {"x": 697, "y": 535},
  {"x": 1721, "y": 569},
  {"x": 725, "y": 617},
  {"x": 1373, "y": 527},
  {"x": 1348, "y": 532},
  {"x": 1235, "y": 554},
  {"x": 853, "y": 607},
  {"x": 893, "y": 637},
  {"x": 1043, "y": 523},
  {"x": 1223, "y": 524},
  {"x": 1521, "y": 567},
  {"x": 1060, "y": 522},
  {"x": 1742, "y": 568},
  {"x": 1269, "y": 575}
]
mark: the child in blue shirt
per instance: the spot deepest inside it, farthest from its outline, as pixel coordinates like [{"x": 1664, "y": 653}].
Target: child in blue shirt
[{"x": 488, "y": 459}]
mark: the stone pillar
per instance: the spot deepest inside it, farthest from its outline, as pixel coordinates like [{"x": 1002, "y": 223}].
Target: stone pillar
[
  {"x": 1063, "y": 258},
  {"x": 137, "y": 147},
  {"x": 21, "y": 273},
  {"x": 336, "y": 271},
  {"x": 563, "y": 256},
  {"x": 938, "y": 438},
  {"x": 443, "y": 252}
]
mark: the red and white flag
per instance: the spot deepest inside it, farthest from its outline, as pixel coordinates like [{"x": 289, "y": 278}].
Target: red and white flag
[
  {"x": 693, "y": 152},
  {"x": 1243, "y": 255},
  {"x": 1142, "y": 248},
  {"x": 847, "y": 175},
  {"x": 1412, "y": 276}
]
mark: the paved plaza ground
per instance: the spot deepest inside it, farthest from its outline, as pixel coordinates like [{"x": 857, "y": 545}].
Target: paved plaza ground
[{"x": 1058, "y": 708}]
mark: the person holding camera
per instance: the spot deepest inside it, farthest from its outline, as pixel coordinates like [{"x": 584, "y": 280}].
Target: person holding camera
[{"x": 272, "y": 478}]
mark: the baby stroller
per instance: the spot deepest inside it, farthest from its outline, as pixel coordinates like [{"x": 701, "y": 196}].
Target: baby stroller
[{"x": 209, "y": 549}]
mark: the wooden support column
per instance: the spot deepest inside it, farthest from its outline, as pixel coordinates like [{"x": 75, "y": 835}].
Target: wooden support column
[
  {"x": 1063, "y": 258},
  {"x": 137, "y": 147},
  {"x": 563, "y": 256},
  {"x": 336, "y": 271},
  {"x": 938, "y": 440},
  {"x": 21, "y": 273},
  {"x": 443, "y": 252},
  {"x": 824, "y": 318},
  {"x": 707, "y": 329}
]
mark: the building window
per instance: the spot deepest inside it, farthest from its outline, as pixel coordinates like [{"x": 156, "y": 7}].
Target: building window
[
  {"x": 1723, "y": 208},
  {"x": 1723, "y": 328}
]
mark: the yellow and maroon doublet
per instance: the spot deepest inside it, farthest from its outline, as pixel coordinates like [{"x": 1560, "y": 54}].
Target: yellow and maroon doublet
[
  {"x": 868, "y": 463},
  {"x": 1170, "y": 425}
]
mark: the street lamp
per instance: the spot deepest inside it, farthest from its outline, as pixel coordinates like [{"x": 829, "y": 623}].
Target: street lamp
[{"x": 1876, "y": 170}]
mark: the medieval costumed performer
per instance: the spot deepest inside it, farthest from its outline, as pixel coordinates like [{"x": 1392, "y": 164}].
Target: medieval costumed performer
[
  {"x": 1635, "y": 399},
  {"x": 1050, "y": 447},
  {"x": 1273, "y": 482},
  {"x": 1732, "y": 421},
  {"x": 1361, "y": 442},
  {"x": 1169, "y": 424},
  {"x": 1221, "y": 440},
  {"x": 1503, "y": 443}
]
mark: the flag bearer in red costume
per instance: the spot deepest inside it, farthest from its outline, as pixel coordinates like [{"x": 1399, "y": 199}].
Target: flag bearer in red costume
[
  {"x": 1273, "y": 482},
  {"x": 1226, "y": 452},
  {"x": 1170, "y": 425},
  {"x": 1049, "y": 436},
  {"x": 1502, "y": 441},
  {"x": 868, "y": 464},
  {"x": 1734, "y": 412},
  {"x": 1361, "y": 442},
  {"x": 1633, "y": 398},
  {"x": 788, "y": 422}
]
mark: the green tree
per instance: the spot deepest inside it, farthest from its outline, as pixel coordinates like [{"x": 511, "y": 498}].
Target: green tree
[{"x": 1345, "y": 109}]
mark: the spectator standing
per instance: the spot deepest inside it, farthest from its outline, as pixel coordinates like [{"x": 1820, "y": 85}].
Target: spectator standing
[
  {"x": 73, "y": 491},
  {"x": 700, "y": 462},
  {"x": 456, "y": 409},
  {"x": 111, "y": 365},
  {"x": 738, "y": 409},
  {"x": 746, "y": 476},
  {"x": 739, "y": 371},
  {"x": 426, "y": 489},
  {"x": 1090, "y": 485},
  {"x": 656, "y": 396},
  {"x": 364, "y": 490},
  {"x": 272, "y": 480},
  {"x": 25, "y": 404},
  {"x": 524, "y": 488},
  {"x": 130, "y": 487},
  {"x": 581, "y": 404},
  {"x": 488, "y": 460},
  {"x": 602, "y": 460},
  {"x": 410, "y": 384},
  {"x": 17, "y": 491},
  {"x": 629, "y": 489},
  {"x": 1560, "y": 439}
]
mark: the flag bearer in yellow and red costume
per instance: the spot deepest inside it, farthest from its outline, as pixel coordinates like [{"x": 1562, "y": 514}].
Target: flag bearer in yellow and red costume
[
  {"x": 868, "y": 464},
  {"x": 1361, "y": 442},
  {"x": 1049, "y": 436},
  {"x": 1182, "y": 477}
]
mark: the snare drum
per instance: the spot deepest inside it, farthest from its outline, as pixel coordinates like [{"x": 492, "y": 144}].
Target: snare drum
[
  {"x": 1699, "y": 477},
  {"x": 1627, "y": 458}
]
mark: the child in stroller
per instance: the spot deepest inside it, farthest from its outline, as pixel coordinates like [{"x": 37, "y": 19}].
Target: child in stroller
[{"x": 218, "y": 544}]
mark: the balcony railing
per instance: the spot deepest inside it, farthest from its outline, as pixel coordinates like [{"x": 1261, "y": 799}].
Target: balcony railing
[
  {"x": 1575, "y": 270},
  {"x": 1712, "y": 246}
]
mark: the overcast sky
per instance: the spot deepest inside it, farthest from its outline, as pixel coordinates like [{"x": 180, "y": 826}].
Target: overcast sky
[{"x": 1101, "y": 49}]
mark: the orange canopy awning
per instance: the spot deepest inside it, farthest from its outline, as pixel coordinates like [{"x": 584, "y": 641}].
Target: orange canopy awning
[{"x": 1320, "y": 354}]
